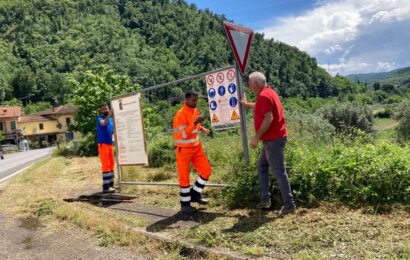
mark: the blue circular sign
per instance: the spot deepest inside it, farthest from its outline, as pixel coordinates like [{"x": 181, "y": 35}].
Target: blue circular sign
[
  {"x": 233, "y": 101},
  {"x": 211, "y": 92},
  {"x": 232, "y": 88},
  {"x": 221, "y": 91},
  {"x": 213, "y": 105}
]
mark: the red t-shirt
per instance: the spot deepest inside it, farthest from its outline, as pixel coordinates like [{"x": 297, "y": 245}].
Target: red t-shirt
[{"x": 268, "y": 100}]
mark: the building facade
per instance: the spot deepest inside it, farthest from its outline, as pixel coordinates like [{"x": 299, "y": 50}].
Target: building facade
[
  {"x": 9, "y": 116},
  {"x": 49, "y": 126}
]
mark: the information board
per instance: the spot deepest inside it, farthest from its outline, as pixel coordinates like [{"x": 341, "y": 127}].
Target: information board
[{"x": 129, "y": 130}]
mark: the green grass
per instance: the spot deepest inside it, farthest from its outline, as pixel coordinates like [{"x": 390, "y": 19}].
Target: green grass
[{"x": 384, "y": 124}]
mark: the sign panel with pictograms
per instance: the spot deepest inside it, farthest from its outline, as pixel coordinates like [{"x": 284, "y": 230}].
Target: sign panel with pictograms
[{"x": 223, "y": 98}]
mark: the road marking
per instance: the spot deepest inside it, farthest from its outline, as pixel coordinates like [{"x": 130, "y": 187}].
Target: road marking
[{"x": 14, "y": 174}]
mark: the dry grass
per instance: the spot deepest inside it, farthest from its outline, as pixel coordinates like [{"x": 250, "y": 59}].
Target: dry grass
[
  {"x": 40, "y": 190},
  {"x": 320, "y": 233},
  {"x": 324, "y": 232},
  {"x": 329, "y": 231}
]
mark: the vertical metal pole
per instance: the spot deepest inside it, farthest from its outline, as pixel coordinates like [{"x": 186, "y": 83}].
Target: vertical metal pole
[
  {"x": 243, "y": 117},
  {"x": 119, "y": 168}
]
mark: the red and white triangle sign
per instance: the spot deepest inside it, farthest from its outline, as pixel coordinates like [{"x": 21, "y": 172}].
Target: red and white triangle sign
[{"x": 240, "y": 39}]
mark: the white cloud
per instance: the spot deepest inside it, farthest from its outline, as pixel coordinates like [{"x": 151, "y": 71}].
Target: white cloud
[{"x": 350, "y": 36}]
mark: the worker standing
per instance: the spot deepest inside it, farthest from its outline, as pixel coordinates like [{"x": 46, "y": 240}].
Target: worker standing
[
  {"x": 105, "y": 129},
  {"x": 187, "y": 124}
]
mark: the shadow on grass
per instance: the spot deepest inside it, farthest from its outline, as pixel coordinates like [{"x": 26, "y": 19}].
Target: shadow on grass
[
  {"x": 245, "y": 224},
  {"x": 104, "y": 200},
  {"x": 201, "y": 217}
]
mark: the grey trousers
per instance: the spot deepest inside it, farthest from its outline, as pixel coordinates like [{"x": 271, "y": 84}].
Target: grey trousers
[{"x": 273, "y": 157}]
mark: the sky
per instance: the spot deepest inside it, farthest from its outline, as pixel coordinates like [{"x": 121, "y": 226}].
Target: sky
[{"x": 345, "y": 36}]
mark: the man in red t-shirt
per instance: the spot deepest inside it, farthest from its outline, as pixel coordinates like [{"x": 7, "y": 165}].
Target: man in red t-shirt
[{"x": 270, "y": 127}]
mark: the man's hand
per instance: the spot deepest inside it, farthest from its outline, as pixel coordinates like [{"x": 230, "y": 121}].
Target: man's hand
[
  {"x": 206, "y": 131},
  {"x": 245, "y": 104},
  {"x": 244, "y": 100},
  {"x": 199, "y": 119},
  {"x": 254, "y": 141}
]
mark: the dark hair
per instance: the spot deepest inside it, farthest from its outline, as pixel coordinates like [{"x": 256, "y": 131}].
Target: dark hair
[
  {"x": 190, "y": 93},
  {"x": 102, "y": 105}
]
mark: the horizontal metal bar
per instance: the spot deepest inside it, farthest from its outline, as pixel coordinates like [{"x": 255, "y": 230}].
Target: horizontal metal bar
[
  {"x": 173, "y": 82},
  {"x": 171, "y": 184}
]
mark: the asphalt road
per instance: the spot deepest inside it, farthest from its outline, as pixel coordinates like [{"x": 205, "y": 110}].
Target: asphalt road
[{"x": 12, "y": 163}]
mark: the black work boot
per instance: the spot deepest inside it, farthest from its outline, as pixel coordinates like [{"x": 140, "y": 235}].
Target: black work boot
[
  {"x": 187, "y": 208},
  {"x": 197, "y": 197}
]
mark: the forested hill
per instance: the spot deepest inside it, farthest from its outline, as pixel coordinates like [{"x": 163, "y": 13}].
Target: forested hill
[
  {"x": 43, "y": 43},
  {"x": 400, "y": 77}
]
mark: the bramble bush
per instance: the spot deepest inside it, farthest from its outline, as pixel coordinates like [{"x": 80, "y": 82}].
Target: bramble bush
[{"x": 356, "y": 172}]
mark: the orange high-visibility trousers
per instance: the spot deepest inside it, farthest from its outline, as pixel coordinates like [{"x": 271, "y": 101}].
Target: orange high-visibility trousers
[
  {"x": 196, "y": 156},
  {"x": 106, "y": 153}
]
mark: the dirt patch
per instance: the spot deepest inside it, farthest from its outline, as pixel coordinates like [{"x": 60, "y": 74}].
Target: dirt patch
[{"x": 30, "y": 223}]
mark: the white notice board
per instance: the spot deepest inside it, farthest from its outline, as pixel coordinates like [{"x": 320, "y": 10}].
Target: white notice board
[
  {"x": 129, "y": 130},
  {"x": 222, "y": 89}
]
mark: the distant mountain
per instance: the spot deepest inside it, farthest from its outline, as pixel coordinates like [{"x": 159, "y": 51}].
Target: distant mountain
[{"x": 397, "y": 77}]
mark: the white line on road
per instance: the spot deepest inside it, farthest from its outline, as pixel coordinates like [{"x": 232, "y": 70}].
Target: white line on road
[{"x": 14, "y": 174}]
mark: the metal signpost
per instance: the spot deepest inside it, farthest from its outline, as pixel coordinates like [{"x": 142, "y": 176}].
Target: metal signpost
[{"x": 240, "y": 39}]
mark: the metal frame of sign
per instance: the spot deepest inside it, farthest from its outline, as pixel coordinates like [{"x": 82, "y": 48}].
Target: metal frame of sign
[
  {"x": 233, "y": 27},
  {"x": 119, "y": 167}
]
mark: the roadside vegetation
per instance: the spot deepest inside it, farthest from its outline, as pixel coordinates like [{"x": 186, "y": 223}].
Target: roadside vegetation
[
  {"x": 349, "y": 169},
  {"x": 348, "y": 153}
]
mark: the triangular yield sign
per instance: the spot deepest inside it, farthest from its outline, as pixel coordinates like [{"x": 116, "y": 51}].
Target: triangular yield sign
[
  {"x": 234, "y": 116},
  {"x": 215, "y": 119},
  {"x": 240, "y": 39}
]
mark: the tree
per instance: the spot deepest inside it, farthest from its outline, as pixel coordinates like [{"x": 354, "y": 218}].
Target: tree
[
  {"x": 12, "y": 102},
  {"x": 32, "y": 108},
  {"x": 94, "y": 89},
  {"x": 403, "y": 115}
]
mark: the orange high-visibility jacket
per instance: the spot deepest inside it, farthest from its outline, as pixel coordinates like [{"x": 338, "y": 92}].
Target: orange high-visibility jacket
[{"x": 185, "y": 132}]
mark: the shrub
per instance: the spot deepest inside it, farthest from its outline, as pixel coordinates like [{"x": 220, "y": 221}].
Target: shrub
[
  {"x": 403, "y": 115},
  {"x": 356, "y": 173},
  {"x": 161, "y": 152},
  {"x": 86, "y": 146},
  {"x": 244, "y": 189},
  {"x": 309, "y": 127},
  {"x": 346, "y": 117}
]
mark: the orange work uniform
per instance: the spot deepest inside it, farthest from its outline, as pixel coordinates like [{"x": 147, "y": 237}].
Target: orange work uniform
[{"x": 189, "y": 151}]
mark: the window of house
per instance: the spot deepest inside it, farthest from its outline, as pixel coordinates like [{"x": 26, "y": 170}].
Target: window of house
[
  {"x": 41, "y": 126},
  {"x": 13, "y": 125},
  {"x": 1, "y": 126},
  {"x": 68, "y": 121}
]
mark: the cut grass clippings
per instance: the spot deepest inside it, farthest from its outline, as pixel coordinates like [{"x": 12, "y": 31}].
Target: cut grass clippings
[
  {"x": 39, "y": 192},
  {"x": 328, "y": 231}
]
